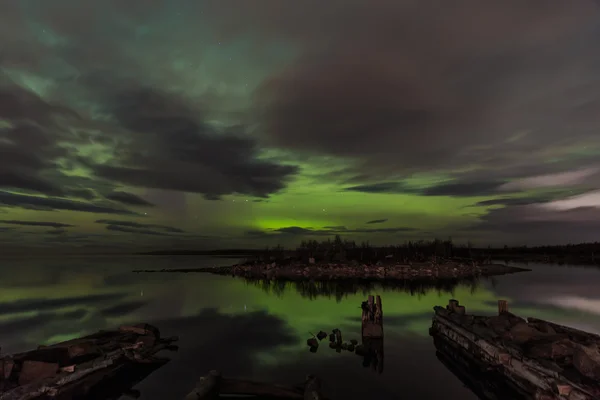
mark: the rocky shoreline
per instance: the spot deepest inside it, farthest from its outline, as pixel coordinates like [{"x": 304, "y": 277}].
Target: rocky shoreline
[{"x": 329, "y": 271}]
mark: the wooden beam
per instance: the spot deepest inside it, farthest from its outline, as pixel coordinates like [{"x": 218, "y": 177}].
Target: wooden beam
[
  {"x": 207, "y": 388},
  {"x": 502, "y": 307},
  {"x": 312, "y": 388},
  {"x": 379, "y": 310}
]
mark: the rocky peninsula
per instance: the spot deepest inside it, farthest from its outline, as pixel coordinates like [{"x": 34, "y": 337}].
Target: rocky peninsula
[{"x": 293, "y": 270}]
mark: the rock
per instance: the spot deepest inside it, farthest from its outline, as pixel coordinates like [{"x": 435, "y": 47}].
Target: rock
[
  {"x": 498, "y": 324},
  {"x": 521, "y": 333},
  {"x": 82, "y": 349},
  {"x": 354, "y": 341},
  {"x": 544, "y": 327},
  {"x": 360, "y": 350},
  {"x": 7, "y": 365},
  {"x": 559, "y": 349},
  {"x": 332, "y": 337},
  {"x": 321, "y": 335},
  {"x": 344, "y": 346},
  {"x": 141, "y": 329},
  {"x": 312, "y": 342},
  {"x": 338, "y": 336},
  {"x": 147, "y": 340},
  {"x": 32, "y": 371},
  {"x": 313, "y": 349},
  {"x": 332, "y": 345},
  {"x": 351, "y": 347},
  {"x": 586, "y": 359}
]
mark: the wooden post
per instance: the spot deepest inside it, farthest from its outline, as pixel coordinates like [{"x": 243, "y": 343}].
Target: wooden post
[
  {"x": 378, "y": 311},
  {"x": 371, "y": 305},
  {"x": 207, "y": 388},
  {"x": 312, "y": 388},
  {"x": 502, "y": 307},
  {"x": 452, "y": 304}
]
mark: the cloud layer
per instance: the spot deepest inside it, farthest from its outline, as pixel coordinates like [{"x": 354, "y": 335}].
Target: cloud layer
[{"x": 165, "y": 113}]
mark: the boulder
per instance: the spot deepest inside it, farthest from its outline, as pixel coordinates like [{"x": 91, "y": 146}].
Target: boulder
[
  {"x": 522, "y": 333},
  {"x": 555, "y": 350},
  {"x": 32, "y": 371},
  {"x": 586, "y": 359}
]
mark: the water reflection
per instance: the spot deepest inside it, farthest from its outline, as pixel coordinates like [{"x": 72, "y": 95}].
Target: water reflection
[
  {"x": 258, "y": 330},
  {"x": 342, "y": 288},
  {"x": 485, "y": 383}
]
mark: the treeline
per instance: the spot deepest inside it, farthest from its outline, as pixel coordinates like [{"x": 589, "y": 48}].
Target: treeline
[
  {"x": 337, "y": 249},
  {"x": 347, "y": 250}
]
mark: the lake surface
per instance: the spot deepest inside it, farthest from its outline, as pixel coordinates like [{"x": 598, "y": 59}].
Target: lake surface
[{"x": 259, "y": 331}]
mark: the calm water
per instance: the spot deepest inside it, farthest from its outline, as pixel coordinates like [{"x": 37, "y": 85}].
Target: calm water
[{"x": 259, "y": 331}]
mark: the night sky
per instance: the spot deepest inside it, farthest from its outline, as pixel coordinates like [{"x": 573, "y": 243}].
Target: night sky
[{"x": 217, "y": 124}]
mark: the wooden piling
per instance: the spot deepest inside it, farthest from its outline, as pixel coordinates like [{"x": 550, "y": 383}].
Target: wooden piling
[
  {"x": 312, "y": 388},
  {"x": 502, "y": 307},
  {"x": 207, "y": 388},
  {"x": 378, "y": 310},
  {"x": 372, "y": 318}
]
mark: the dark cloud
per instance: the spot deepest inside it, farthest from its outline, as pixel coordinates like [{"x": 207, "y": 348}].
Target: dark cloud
[
  {"x": 119, "y": 228},
  {"x": 435, "y": 87},
  {"x": 18, "y": 325},
  {"x": 137, "y": 225},
  {"x": 326, "y": 231},
  {"x": 54, "y": 203},
  {"x": 508, "y": 202},
  {"x": 122, "y": 309},
  {"x": 534, "y": 224},
  {"x": 44, "y": 304},
  {"x": 172, "y": 148},
  {"x": 377, "y": 221},
  {"x": 56, "y": 232},
  {"x": 128, "y": 198},
  {"x": 35, "y": 223},
  {"x": 452, "y": 188},
  {"x": 21, "y": 180}
]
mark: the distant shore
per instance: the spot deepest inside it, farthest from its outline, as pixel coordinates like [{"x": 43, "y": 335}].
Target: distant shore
[{"x": 327, "y": 271}]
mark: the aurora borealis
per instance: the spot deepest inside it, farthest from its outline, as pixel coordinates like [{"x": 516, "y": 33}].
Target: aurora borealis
[{"x": 220, "y": 124}]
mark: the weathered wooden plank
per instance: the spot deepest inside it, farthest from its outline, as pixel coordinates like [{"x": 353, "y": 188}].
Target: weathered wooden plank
[
  {"x": 543, "y": 374},
  {"x": 80, "y": 364},
  {"x": 207, "y": 388},
  {"x": 378, "y": 310},
  {"x": 502, "y": 307},
  {"x": 312, "y": 388}
]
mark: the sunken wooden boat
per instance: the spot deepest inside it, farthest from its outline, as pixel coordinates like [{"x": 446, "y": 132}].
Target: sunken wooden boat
[
  {"x": 537, "y": 359},
  {"x": 103, "y": 365},
  {"x": 213, "y": 386}
]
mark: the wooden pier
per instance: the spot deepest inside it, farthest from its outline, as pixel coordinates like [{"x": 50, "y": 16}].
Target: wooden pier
[
  {"x": 537, "y": 359},
  {"x": 212, "y": 386},
  {"x": 102, "y": 365}
]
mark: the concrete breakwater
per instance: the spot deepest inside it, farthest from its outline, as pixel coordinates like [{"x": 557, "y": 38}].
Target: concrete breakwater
[{"x": 295, "y": 271}]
